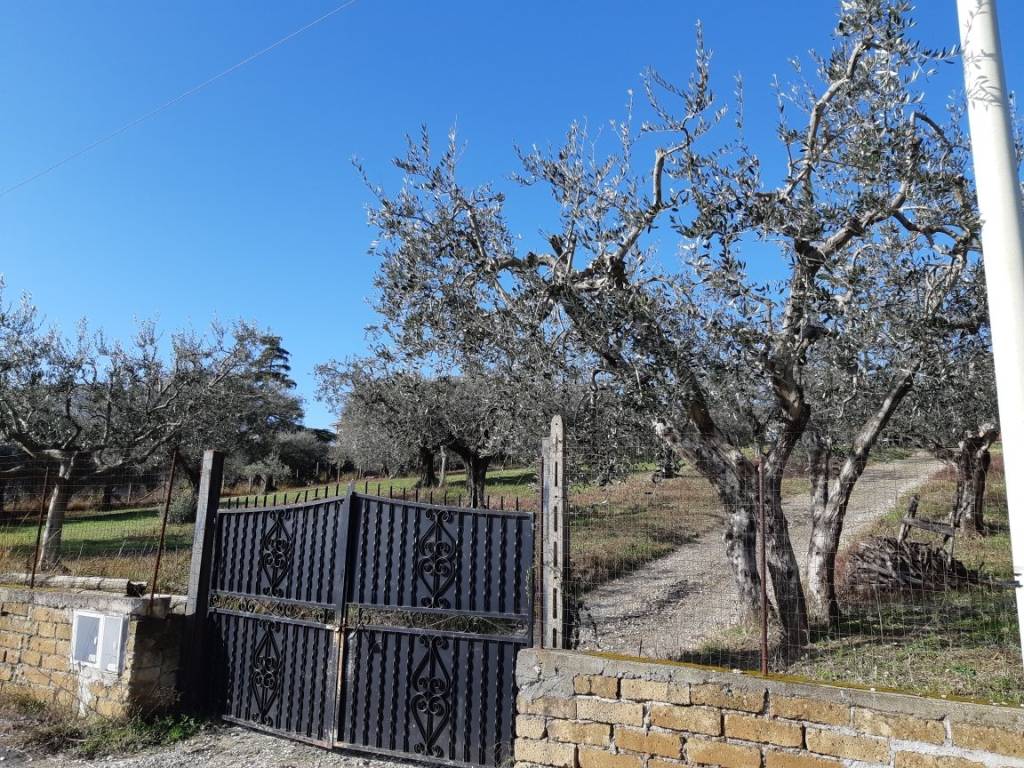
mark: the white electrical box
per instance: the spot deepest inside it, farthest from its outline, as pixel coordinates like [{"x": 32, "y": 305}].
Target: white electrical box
[{"x": 98, "y": 640}]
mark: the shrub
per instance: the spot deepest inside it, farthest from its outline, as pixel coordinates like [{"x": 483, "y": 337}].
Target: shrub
[{"x": 182, "y": 508}]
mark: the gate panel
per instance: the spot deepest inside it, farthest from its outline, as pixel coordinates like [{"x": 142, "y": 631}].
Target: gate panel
[
  {"x": 276, "y": 675},
  {"x": 439, "y": 603},
  {"x": 411, "y": 555},
  {"x": 443, "y": 696},
  {"x": 274, "y": 617}
]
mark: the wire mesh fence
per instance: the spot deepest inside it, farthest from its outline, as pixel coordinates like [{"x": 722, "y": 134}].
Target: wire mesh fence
[
  {"x": 107, "y": 525},
  {"x": 112, "y": 525},
  {"x": 661, "y": 567}
]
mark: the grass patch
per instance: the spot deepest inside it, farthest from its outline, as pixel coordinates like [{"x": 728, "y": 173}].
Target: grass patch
[
  {"x": 960, "y": 643},
  {"x": 44, "y": 729}
]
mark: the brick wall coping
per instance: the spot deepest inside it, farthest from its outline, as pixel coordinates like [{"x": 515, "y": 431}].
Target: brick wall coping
[
  {"x": 542, "y": 673},
  {"x": 104, "y": 602}
]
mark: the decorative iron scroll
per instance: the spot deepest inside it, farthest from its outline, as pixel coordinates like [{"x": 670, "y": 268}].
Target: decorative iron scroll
[
  {"x": 266, "y": 675},
  {"x": 435, "y": 558},
  {"x": 432, "y": 702},
  {"x": 363, "y": 616},
  {"x": 276, "y": 550},
  {"x": 271, "y": 608}
]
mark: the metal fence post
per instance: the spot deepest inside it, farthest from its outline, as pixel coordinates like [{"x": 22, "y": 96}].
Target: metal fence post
[
  {"x": 762, "y": 564},
  {"x": 199, "y": 576},
  {"x": 555, "y": 541},
  {"x": 39, "y": 531},
  {"x": 163, "y": 527}
]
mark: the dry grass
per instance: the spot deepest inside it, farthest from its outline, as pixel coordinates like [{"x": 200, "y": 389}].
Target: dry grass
[
  {"x": 960, "y": 643},
  {"x": 36, "y": 728},
  {"x": 119, "y": 544},
  {"x": 615, "y": 528}
]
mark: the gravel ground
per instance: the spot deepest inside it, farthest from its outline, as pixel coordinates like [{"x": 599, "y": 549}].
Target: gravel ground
[
  {"x": 676, "y": 603},
  {"x": 219, "y": 747}
]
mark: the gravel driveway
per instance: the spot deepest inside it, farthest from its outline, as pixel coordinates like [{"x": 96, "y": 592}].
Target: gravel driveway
[
  {"x": 676, "y": 603},
  {"x": 219, "y": 747}
]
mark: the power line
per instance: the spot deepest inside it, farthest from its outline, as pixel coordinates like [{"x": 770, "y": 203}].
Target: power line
[{"x": 180, "y": 97}]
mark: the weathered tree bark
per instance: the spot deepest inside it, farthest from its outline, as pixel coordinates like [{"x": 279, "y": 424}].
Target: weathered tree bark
[
  {"x": 476, "y": 474},
  {"x": 829, "y": 508},
  {"x": 49, "y": 550},
  {"x": 442, "y": 477},
  {"x": 973, "y": 459},
  {"x": 780, "y": 558},
  {"x": 428, "y": 475},
  {"x": 736, "y": 489}
]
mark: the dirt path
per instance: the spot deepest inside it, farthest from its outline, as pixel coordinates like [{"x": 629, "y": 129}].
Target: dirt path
[{"x": 679, "y": 601}]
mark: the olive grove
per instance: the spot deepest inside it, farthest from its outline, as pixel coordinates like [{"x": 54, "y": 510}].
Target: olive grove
[
  {"x": 87, "y": 406},
  {"x": 649, "y": 274}
]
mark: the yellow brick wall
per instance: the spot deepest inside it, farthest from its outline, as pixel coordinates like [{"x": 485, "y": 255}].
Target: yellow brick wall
[
  {"x": 587, "y": 711},
  {"x": 35, "y": 652}
]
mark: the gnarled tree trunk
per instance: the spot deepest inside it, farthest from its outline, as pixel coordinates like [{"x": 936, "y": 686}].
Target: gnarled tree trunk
[
  {"x": 476, "y": 478},
  {"x": 734, "y": 481},
  {"x": 60, "y": 495},
  {"x": 829, "y": 507},
  {"x": 973, "y": 459},
  {"x": 428, "y": 476}
]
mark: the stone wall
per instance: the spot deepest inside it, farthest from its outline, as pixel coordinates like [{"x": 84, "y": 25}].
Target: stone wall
[
  {"x": 35, "y": 651},
  {"x": 587, "y": 711}
]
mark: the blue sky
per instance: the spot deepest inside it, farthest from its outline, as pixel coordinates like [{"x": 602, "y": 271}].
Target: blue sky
[{"x": 241, "y": 201}]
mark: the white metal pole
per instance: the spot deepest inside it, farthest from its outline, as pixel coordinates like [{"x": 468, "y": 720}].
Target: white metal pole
[{"x": 999, "y": 200}]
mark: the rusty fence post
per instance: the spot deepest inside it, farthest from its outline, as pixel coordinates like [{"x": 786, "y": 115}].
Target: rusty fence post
[
  {"x": 163, "y": 528},
  {"x": 39, "y": 531}
]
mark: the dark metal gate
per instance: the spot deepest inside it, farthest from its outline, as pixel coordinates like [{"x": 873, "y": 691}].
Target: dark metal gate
[
  {"x": 275, "y": 611},
  {"x": 424, "y": 607},
  {"x": 438, "y": 606}
]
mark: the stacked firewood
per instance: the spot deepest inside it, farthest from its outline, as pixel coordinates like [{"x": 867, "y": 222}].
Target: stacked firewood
[{"x": 884, "y": 564}]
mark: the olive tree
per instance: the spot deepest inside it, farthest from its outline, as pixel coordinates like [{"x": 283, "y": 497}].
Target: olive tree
[
  {"x": 953, "y": 414},
  {"x": 89, "y": 406},
  {"x": 875, "y": 199},
  {"x": 477, "y": 415}
]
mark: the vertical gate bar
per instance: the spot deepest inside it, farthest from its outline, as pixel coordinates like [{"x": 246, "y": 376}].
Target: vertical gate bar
[
  {"x": 454, "y": 718},
  {"x": 503, "y": 579},
  {"x": 470, "y": 685},
  {"x": 203, "y": 551},
  {"x": 484, "y": 685},
  {"x": 488, "y": 562},
  {"x": 343, "y": 541},
  {"x": 460, "y": 525},
  {"x": 324, "y": 543},
  {"x": 388, "y": 559},
  {"x": 517, "y": 565},
  {"x": 499, "y": 690}
]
